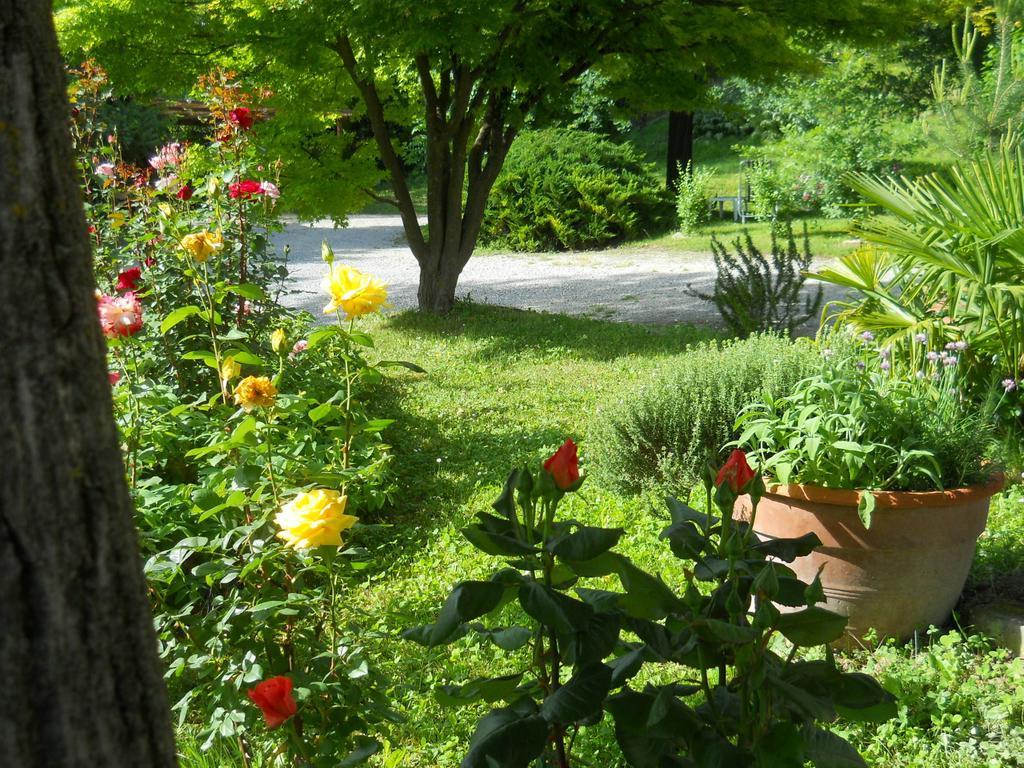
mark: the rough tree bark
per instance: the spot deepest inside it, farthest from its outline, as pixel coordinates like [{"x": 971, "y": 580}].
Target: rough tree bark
[
  {"x": 680, "y": 146},
  {"x": 78, "y": 658}
]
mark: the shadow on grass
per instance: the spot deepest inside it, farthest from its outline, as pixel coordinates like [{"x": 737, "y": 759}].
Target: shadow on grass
[{"x": 508, "y": 332}]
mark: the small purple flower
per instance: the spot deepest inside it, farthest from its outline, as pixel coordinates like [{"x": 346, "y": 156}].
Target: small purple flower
[
  {"x": 860, "y": 365},
  {"x": 885, "y": 365},
  {"x": 950, "y": 361},
  {"x": 921, "y": 338},
  {"x": 1009, "y": 385},
  {"x": 932, "y": 356},
  {"x": 867, "y": 336},
  {"x": 885, "y": 354},
  {"x": 960, "y": 346}
]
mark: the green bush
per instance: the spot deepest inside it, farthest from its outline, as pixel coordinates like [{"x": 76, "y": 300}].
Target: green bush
[
  {"x": 692, "y": 195},
  {"x": 662, "y": 435},
  {"x": 567, "y": 190}
]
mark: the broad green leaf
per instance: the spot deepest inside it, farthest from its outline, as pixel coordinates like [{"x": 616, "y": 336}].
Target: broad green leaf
[
  {"x": 811, "y": 626},
  {"x": 469, "y": 600},
  {"x": 482, "y": 689},
  {"x": 586, "y": 543},
  {"x": 866, "y": 507},
  {"x": 506, "y": 739},
  {"x": 582, "y": 696},
  {"x": 177, "y": 316}
]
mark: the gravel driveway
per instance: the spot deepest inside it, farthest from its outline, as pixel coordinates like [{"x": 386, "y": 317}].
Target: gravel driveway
[{"x": 640, "y": 285}]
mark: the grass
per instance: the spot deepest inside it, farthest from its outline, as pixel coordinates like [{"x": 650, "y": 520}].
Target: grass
[
  {"x": 505, "y": 387},
  {"x": 828, "y": 238}
]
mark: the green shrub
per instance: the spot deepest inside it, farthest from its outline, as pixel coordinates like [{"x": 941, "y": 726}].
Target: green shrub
[
  {"x": 692, "y": 195},
  {"x": 662, "y": 435},
  {"x": 754, "y": 294},
  {"x": 566, "y": 189}
]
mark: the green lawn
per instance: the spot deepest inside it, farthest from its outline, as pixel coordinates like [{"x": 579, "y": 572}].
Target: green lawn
[
  {"x": 828, "y": 238},
  {"x": 504, "y": 387}
]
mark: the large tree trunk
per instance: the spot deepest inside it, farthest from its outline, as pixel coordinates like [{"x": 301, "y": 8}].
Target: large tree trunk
[
  {"x": 680, "y": 146},
  {"x": 82, "y": 684}
]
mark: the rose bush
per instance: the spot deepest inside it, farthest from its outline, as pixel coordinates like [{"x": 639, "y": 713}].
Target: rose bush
[{"x": 248, "y": 437}]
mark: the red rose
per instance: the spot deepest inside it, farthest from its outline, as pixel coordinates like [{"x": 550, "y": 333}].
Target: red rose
[
  {"x": 241, "y": 117},
  {"x": 128, "y": 279},
  {"x": 736, "y": 472},
  {"x": 274, "y": 697},
  {"x": 244, "y": 189},
  {"x": 564, "y": 465},
  {"x": 185, "y": 193},
  {"x": 114, "y": 377}
]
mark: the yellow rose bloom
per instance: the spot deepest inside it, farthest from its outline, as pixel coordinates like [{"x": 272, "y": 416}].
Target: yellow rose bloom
[
  {"x": 314, "y": 519},
  {"x": 353, "y": 292},
  {"x": 277, "y": 339},
  {"x": 255, "y": 392},
  {"x": 229, "y": 369},
  {"x": 202, "y": 245}
]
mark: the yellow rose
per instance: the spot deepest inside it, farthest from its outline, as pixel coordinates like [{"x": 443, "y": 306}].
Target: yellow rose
[
  {"x": 353, "y": 292},
  {"x": 255, "y": 392},
  {"x": 229, "y": 369},
  {"x": 202, "y": 244},
  {"x": 277, "y": 339},
  {"x": 314, "y": 519}
]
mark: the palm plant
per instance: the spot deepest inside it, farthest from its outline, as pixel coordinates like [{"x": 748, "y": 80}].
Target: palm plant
[{"x": 945, "y": 265}]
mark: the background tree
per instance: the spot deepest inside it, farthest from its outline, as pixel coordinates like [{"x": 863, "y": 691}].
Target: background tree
[
  {"x": 472, "y": 72},
  {"x": 82, "y": 683}
]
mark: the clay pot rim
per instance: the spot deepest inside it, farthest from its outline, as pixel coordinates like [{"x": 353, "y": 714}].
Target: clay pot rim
[{"x": 889, "y": 499}]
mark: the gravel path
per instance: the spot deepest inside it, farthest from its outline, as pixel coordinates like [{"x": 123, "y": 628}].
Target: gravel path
[{"x": 642, "y": 285}]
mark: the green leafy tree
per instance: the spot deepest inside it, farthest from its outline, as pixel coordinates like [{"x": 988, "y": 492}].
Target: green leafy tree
[{"x": 468, "y": 74}]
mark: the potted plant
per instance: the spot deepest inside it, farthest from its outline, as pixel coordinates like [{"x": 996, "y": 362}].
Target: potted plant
[{"x": 888, "y": 470}]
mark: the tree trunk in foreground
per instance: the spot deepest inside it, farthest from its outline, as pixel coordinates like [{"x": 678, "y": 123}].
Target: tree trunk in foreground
[
  {"x": 680, "y": 146},
  {"x": 82, "y": 684}
]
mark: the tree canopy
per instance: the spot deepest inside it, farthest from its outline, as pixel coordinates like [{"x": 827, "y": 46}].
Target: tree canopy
[{"x": 469, "y": 75}]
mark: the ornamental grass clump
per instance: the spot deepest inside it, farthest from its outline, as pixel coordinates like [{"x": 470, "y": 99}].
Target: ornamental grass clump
[{"x": 860, "y": 424}]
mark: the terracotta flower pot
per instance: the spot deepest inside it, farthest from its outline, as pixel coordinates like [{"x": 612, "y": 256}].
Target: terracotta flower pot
[{"x": 905, "y": 573}]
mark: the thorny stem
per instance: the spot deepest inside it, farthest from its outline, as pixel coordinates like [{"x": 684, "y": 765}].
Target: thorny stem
[
  {"x": 204, "y": 292},
  {"x": 270, "y": 459}
]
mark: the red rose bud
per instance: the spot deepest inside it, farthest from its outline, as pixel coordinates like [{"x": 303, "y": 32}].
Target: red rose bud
[
  {"x": 274, "y": 698},
  {"x": 128, "y": 280},
  {"x": 113, "y": 377},
  {"x": 185, "y": 193},
  {"x": 564, "y": 465},
  {"x": 241, "y": 117},
  {"x": 736, "y": 472}
]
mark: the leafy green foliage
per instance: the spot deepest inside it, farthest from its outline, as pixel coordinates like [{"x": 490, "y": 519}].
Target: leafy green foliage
[
  {"x": 853, "y": 115},
  {"x": 546, "y": 557},
  {"x": 663, "y": 431},
  {"x": 857, "y": 425},
  {"x": 740, "y": 700},
  {"x": 565, "y": 190},
  {"x": 693, "y": 194},
  {"x": 189, "y": 257},
  {"x": 961, "y": 704},
  {"x": 978, "y": 105},
  {"x": 754, "y": 295},
  {"x": 946, "y": 265}
]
